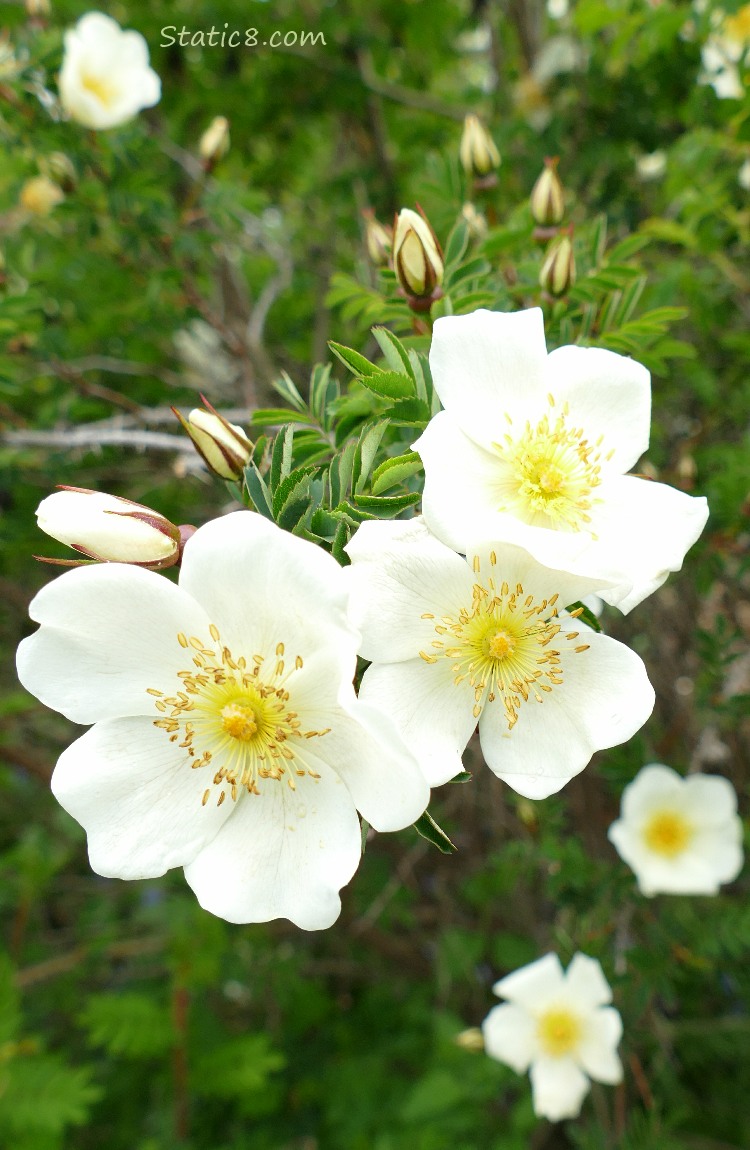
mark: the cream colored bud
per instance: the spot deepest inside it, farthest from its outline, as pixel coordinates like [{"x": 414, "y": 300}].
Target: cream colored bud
[
  {"x": 558, "y": 272},
  {"x": 471, "y": 1040},
  {"x": 417, "y": 258},
  {"x": 108, "y": 528},
  {"x": 224, "y": 447},
  {"x": 40, "y": 196},
  {"x": 214, "y": 143},
  {"x": 548, "y": 197},
  {"x": 478, "y": 153},
  {"x": 37, "y": 9},
  {"x": 379, "y": 239},
  {"x": 476, "y": 221}
]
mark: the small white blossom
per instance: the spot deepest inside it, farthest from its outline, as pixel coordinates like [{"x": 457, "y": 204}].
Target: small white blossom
[
  {"x": 227, "y": 737},
  {"x": 743, "y": 176},
  {"x": 105, "y": 79},
  {"x": 726, "y": 52},
  {"x": 560, "y": 1026},
  {"x": 485, "y": 640},
  {"x": 679, "y": 835},
  {"x": 651, "y": 165},
  {"x": 532, "y": 449}
]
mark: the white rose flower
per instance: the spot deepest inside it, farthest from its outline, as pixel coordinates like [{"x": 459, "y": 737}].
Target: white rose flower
[
  {"x": 105, "y": 79},
  {"x": 227, "y": 738},
  {"x": 533, "y": 448},
  {"x": 455, "y": 642},
  {"x": 679, "y": 835},
  {"x": 560, "y": 1025}
]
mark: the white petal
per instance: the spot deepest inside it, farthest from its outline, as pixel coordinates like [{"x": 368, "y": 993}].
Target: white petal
[
  {"x": 382, "y": 777},
  {"x": 283, "y": 854},
  {"x": 108, "y": 633},
  {"x": 710, "y": 859},
  {"x": 597, "y": 1052},
  {"x": 719, "y": 850},
  {"x": 261, "y": 586},
  {"x": 462, "y": 492},
  {"x": 559, "y": 1088},
  {"x": 137, "y": 798},
  {"x": 510, "y": 1036},
  {"x": 710, "y": 799},
  {"x": 585, "y": 983},
  {"x": 605, "y": 697},
  {"x": 433, "y": 716},
  {"x": 487, "y": 363},
  {"x": 399, "y": 572},
  {"x": 513, "y": 565},
  {"x": 533, "y": 985},
  {"x": 609, "y": 396},
  {"x": 653, "y": 786},
  {"x": 646, "y": 529}
]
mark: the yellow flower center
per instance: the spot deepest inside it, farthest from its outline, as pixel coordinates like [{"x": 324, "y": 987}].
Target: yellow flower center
[
  {"x": 102, "y": 89},
  {"x": 667, "y": 833},
  {"x": 559, "y": 1031},
  {"x": 547, "y": 473},
  {"x": 236, "y": 717},
  {"x": 501, "y": 644}
]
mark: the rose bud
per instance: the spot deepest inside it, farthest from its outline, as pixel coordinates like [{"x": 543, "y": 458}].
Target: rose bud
[
  {"x": 224, "y": 447},
  {"x": 548, "y": 197},
  {"x": 417, "y": 259},
  {"x": 108, "y": 528},
  {"x": 477, "y": 151},
  {"x": 558, "y": 272}
]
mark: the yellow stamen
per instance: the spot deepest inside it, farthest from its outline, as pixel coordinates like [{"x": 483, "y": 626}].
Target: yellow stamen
[
  {"x": 667, "y": 833},
  {"x": 559, "y": 1031}
]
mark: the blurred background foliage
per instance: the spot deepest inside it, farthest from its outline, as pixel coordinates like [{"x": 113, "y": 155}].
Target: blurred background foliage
[{"x": 131, "y": 1019}]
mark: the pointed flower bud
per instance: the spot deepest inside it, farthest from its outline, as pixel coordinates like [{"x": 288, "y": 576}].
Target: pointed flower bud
[
  {"x": 108, "y": 528},
  {"x": 214, "y": 143},
  {"x": 224, "y": 447},
  {"x": 417, "y": 259},
  {"x": 477, "y": 151},
  {"x": 558, "y": 272},
  {"x": 378, "y": 237},
  {"x": 548, "y": 197}
]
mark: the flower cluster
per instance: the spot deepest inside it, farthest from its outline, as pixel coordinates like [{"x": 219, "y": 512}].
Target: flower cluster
[{"x": 226, "y": 736}]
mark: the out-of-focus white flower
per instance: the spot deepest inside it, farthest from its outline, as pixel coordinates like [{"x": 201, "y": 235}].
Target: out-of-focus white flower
[
  {"x": 558, "y": 9},
  {"x": 725, "y": 52},
  {"x": 559, "y": 1025},
  {"x": 651, "y": 165},
  {"x": 532, "y": 449},
  {"x": 223, "y": 446},
  {"x": 108, "y": 528},
  {"x": 679, "y": 835},
  {"x": 417, "y": 258},
  {"x": 105, "y": 79},
  {"x": 227, "y": 737},
  {"x": 455, "y": 642},
  {"x": 743, "y": 176}
]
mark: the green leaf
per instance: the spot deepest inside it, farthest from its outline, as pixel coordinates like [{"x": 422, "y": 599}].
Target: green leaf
[
  {"x": 386, "y": 506},
  {"x": 457, "y": 243},
  {"x": 429, "y": 829},
  {"x": 258, "y": 491},
  {"x": 390, "y": 384},
  {"x": 291, "y": 500},
  {"x": 392, "y": 472},
  {"x": 275, "y": 416},
  {"x": 340, "y": 473},
  {"x": 323, "y": 391},
  {"x": 463, "y": 777},
  {"x": 128, "y": 1023},
  {"x": 412, "y": 412},
  {"x": 286, "y": 387},
  {"x": 394, "y": 352},
  {"x": 357, "y": 364},
  {"x": 281, "y": 456},
  {"x": 364, "y": 457}
]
